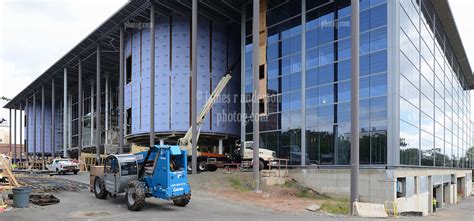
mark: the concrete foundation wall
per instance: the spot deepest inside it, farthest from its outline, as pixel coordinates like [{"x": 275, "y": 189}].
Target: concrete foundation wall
[
  {"x": 417, "y": 202},
  {"x": 380, "y": 185}
]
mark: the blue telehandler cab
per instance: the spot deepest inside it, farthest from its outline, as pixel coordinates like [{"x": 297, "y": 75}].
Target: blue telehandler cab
[{"x": 128, "y": 173}]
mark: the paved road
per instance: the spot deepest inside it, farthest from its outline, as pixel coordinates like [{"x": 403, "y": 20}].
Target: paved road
[{"x": 84, "y": 206}]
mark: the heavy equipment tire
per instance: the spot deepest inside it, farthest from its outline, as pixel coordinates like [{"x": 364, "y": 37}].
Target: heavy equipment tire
[
  {"x": 261, "y": 165},
  {"x": 202, "y": 165},
  {"x": 135, "y": 195},
  {"x": 182, "y": 202},
  {"x": 99, "y": 189}
]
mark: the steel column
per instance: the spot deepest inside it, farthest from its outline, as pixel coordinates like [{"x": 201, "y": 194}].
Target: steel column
[
  {"x": 10, "y": 132},
  {"x": 98, "y": 111},
  {"x": 27, "y": 121},
  {"x": 303, "y": 83},
  {"x": 34, "y": 126},
  {"x": 79, "y": 107},
  {"x": 53, "y": 118},
  {"x": 120, "y": 98},
  {"x": 42, "y": 127},
  {"x": 255, "y": 98},
  {"x": 107, "y": 94},
  {"x": 354, "y": 103},
  {"x": 14, "y": 135},
  {"x": 152, "y": 75},
  {"x": 242, "y": 80},
  {"x": 21, "y": 132},
  {"x": 65, "y": 114},
  {"x": 194, "y": 58}
]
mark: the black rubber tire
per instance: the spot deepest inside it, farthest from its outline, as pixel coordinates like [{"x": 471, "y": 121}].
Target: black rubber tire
[
  {"x": 261, "y": 165},
  {"x": 202, "y": 166},
  {"x": 75, "y": 172},
  {"x": 182, "y": 202},
  {"x": 57, "y": 171},
  {"x": 136, "y": 191},
  {"x": 100, "y": 193}
]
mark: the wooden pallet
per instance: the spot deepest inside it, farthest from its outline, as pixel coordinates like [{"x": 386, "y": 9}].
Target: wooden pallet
[{"x": 87, "y": 160}]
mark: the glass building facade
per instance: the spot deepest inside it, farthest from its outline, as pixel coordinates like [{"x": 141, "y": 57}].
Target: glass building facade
[
  {"x": 309, "y": 102},
  {"x": 435, "y": 108}
]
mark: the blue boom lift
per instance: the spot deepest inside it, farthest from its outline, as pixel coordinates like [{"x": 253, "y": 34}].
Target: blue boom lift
[{"x": 128, "y": 173}]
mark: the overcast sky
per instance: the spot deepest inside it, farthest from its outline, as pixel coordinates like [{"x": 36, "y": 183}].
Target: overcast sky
[{"x": 34, "y": 34}]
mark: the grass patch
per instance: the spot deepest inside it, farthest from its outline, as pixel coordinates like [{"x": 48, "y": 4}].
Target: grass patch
[
  {"x": 336, "y": 207},
  {"x": 304, "y": 192},
  {"x": 240, "y": 185}
]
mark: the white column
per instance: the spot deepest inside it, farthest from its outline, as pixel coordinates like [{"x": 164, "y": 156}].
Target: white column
[
  {"x": 65, "y": 118},
  {"x": 107, "y": 106},
  {"x": 162, "y": 142},
  {"x": 221, "y": 146}
]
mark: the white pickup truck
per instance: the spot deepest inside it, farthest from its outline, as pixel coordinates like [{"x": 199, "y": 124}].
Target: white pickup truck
[{"x": 62, "y": 166}]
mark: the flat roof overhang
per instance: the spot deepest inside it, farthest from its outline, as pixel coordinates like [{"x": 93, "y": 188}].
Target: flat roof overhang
[
  {"x": 443, "y": 10},
  {"x": 107, "y": 36}
]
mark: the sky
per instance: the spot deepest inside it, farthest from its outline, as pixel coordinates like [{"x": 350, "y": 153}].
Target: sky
[{"x": 34, "y": 34}]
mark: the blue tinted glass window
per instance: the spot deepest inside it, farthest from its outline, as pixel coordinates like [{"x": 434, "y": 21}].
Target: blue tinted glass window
[
  {"x": 378, "y": 85},
  {"x": 272, "y": 51},
  {"x": 378, "y": 16},
  {"x": 378, "y": 39},
  {"x": 312, "y": 97},
  {"x": 344, "y": 112},
  {"x": 326, "y": 54},
  {"x": 295, "y": 100},
  {"x": 312, "y": 58},
  {"x": 364, "y": 85},
  {"x": 378, "y": 108},
  {"x": 326, "y": 115},
  {"x": 344, "y": 91},
  {"x": 326, "y": 74},
  {"x": 272, "y": 69},
  {"x": 312, "y": 77},
  {"x": 378, "y": 62},
  {"x": 364, "y": 110},
  {"x": 344, "y": 70},
  {"x": 344, "y": 49},
  {"x": 312, "y": 38},
  {"x": 326, "y": 94}
]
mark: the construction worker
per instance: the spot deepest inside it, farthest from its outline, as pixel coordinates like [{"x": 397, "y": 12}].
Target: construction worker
[{"x": 434, "y": 204}]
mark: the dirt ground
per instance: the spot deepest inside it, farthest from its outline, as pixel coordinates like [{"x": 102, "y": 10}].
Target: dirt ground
[{"x": 238, "y": 187}]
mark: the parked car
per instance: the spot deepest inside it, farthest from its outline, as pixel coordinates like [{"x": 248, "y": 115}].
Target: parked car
[{"x": 62, "y": 166}]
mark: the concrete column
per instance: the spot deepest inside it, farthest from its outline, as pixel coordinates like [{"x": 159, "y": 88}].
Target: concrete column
[
  {"x": 42, "y": 127},
  {"x": 430, "y": 197},
  {"x": 65, "y": 123},
  {"x": 242, "y": 79},
  {"x": 354, "y": 102},
  {"x": 162, "y": 142},
  {"x": 120, "y": 98},
  {"x": 14, "y": 135},
  {"x": 255, "y": 98},
  {"x": 53, "y": 118},
  {"x": 221, "y": 147},
  {"x": 98, "y": 110},
  {"x": 194, "y": 58},
  {"x": 80, "y": 109}
]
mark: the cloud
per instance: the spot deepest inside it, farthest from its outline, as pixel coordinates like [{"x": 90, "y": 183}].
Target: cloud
[{"x": 35, "y": 34}]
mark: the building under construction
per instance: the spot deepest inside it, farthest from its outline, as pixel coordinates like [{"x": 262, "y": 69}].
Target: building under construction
[{"x": 415, "y": 100}]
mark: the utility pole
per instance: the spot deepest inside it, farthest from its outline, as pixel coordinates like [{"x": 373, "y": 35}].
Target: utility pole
[{"x": 354, "y": 103}]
